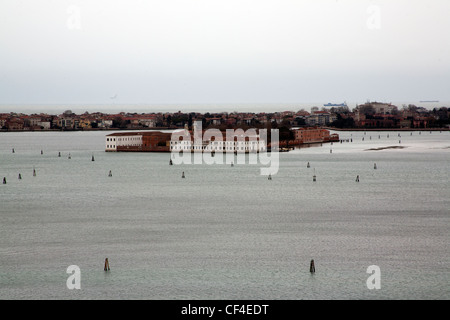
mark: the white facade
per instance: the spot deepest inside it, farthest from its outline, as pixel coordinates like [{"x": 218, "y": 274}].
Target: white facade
[
  {"x": 112, "y": 141},
  {"x": 105, "y": 124},
  {"x": 251, "y": 144},
  {"x": 320, "y": 119},
  {"x": 151, "y": 123},
  {"x": 44, "y": 124}
]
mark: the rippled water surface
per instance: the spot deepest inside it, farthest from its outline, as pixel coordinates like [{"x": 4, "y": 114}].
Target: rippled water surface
[{"x": 225, "y": 232}]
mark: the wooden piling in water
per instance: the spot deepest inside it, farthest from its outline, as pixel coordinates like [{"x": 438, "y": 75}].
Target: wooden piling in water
[
  {"x": 312, "y": 268},
  {"x": 106, "y": 268}
]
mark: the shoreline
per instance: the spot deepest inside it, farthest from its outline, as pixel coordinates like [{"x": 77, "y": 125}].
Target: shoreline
[
  {"x": 89, "y": 130},
  {"x": 390, "y": 129},
  {"x": 167, "y": 128}
]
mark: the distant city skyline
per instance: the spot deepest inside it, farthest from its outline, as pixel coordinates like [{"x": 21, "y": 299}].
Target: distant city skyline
[
  {"x": 114, "y": 53},
  {"x": 187, "y": 108}
]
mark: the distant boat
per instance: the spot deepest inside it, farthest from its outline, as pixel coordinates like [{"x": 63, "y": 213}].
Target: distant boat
[
  {"x": 335, "y": 104},
  {"x": 424, "y": 101}
]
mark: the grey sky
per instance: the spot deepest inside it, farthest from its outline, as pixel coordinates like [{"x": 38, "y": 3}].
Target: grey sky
[{"x": 223, "y": 51}]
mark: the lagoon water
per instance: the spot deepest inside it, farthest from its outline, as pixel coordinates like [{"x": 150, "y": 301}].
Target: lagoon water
[{"x": 225, "y": 232}]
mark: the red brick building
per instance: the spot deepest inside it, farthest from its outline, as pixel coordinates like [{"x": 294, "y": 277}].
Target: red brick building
[{"x": 313, "y": 135}]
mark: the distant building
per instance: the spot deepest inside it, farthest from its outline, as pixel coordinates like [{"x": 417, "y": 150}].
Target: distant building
[
  {"x": 379, "y": 107},
  {"x": 320, "y": 118},
  {"x": 156, "y": 141},
  {"x": 148, "y": 121},
  {"x": 105, "y": 123},
  {"x": 241, "y": 143},
  {"x": 67, "y": 123},
  {"x": 34, "y": 121},
  {"x": 84, "y": 124},
  {"x": 3, "y": 121},
  {"x": 313, "y": 135},
  {"x": 14, "y": 124},
  {"x": 153, "y": 141}
]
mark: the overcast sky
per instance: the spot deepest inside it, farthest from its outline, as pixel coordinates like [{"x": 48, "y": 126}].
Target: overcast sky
[{"x": 223, "y": 51}]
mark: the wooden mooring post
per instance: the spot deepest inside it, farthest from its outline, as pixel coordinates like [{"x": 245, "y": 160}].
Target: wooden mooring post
[
  {"x": 106, "y": 268},
  {"x": 312, "y": 268}
]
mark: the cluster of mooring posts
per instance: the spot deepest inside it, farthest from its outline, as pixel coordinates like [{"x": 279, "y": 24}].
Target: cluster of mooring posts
[
  {"x": 213, "y": 154},
  {"x": 399, "y": 135},
  {"x": 331, "y": 151},
  {"x": 312, "y": 268},
  {"x": 13, "y": 150},
  {"x": 183, "y": 176},
  {"x": 4, "y": 181},
  {"x": 315, "y": 177}
]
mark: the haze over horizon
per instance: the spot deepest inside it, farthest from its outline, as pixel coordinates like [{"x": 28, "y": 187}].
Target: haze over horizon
[{"x": 117, "y": 53}]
